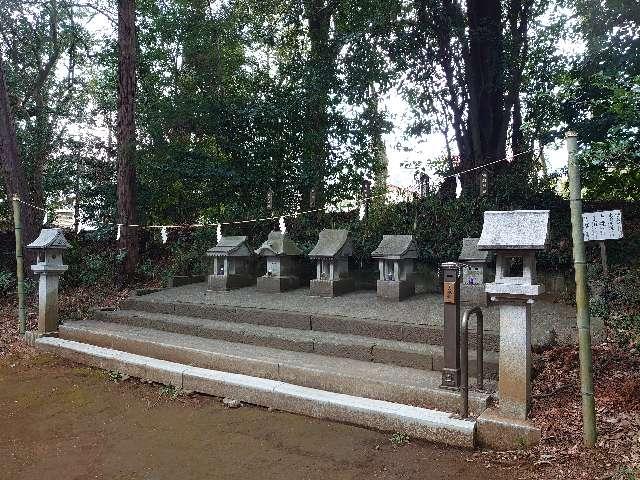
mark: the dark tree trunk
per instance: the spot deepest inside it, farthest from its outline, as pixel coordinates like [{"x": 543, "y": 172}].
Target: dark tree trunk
[
  {"x": 321, "y": 70},
  {"x": 126, "y": 134},
  {"x": 12, "y": 169},
  {"x": 485, "y": 77}
]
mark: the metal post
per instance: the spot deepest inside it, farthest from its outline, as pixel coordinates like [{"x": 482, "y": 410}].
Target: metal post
[
  {"x": 582, "y": 300},
  {"x": 22, "y": 312},
  {"x": 451, "y": 297},
  {"x": 464, "y": 357}
]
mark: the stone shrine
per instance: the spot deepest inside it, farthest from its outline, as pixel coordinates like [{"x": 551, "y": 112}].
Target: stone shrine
[
  {"x": 332, "y": 254},
  {"x": 50, "y": 244},
  {"x": 231, "y": 264},
  {"x": 283, "y": 256},
  {"x": 396, "y": 255},
  {"x": 474, "y": 272},
  {"x": 515, "y": 236}
]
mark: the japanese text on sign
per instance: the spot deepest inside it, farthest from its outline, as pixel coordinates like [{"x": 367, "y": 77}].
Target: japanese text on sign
[{"x": 602, "y": 225}]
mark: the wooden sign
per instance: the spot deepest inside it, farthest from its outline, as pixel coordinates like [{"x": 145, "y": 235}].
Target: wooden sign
[
  {"x": 449, "y": 292},
  {"x": 598, "y": 226}
]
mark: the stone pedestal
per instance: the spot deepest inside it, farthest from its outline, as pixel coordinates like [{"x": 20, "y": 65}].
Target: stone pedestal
[
  {"x": 514, "y": 383},
  {"x": 331, "y": 288},
  {"x": 278, "y": 284},
  {"x": 395, "y": 290},
  {"x": 48, "y": 302},
  {"x": 223, "y": 283}
]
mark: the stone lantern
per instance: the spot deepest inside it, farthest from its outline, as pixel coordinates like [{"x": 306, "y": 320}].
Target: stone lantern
[
  {"x": 231, "y": 264},
  {"x": 332, "y": 270},
  {"x": 282, "y": 256},
  {"x": 515, "y": 237},
  {"x": 396, "y": 255},
  {"x": 50, "y": 244},
  {"x": 474, "y": 272}
]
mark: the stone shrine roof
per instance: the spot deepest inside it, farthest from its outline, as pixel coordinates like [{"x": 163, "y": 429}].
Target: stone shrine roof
[
  {"x": 470, "y": 252},
  {"x": 230, "y": 246},
  {"x": 395, "y": 247},
  {"x": 50, "y": 238},
  {"x": 332, "y": 243},
  {"x": 515, "y": 230},
  {"x": 278, "y": 244}
]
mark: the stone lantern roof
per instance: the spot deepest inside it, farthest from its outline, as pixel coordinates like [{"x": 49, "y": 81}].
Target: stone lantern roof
[
  {"x": 50, "y": 238},
  {"x": 230, "y": 246},
  {"x": 470, "y": 252},
  {"x": 396, "y": 247},
  {"x": 278, "y": 245},
  {"x": 515, "y": 230},
  {"x": 332, "y": 243}
]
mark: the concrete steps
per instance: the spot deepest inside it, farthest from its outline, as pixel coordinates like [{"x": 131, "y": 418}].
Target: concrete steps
[
  {"x": 343, "y": 324},
  {"x": 382, "y": 415},
  {"x": 296, "y": 338},
  {"x": 378, "y": 381}
]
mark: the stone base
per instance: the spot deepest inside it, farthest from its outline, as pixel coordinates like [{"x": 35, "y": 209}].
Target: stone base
[
  {"x": 331, "y": 288},
  {"x": 181, "y": 280},
  {"x": 222, "y": 283},
  {"x": 277, "y": 284},
  {"x": 395, "y": 290},
  {"x": 473, "y": 295},
  {"x": 31, "y": 336},
  {"x": 502, "y": 433}
]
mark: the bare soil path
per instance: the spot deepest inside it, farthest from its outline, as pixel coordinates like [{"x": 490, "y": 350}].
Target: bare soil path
[{"x": 59, "y": 420}]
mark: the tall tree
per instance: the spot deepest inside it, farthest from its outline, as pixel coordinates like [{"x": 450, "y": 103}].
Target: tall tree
[
  {"x": 12, "y": 169},
  {"x": 466, "y": 59},
  {"x": 126, "y": 134}
]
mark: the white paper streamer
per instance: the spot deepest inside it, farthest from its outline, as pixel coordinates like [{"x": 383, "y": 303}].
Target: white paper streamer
[
  {"x": 219, "y": 232},
  {"x": 361, "y": 212},
  {"x": 283, "y": 227},
  {"x": 164, "y": 234},
  {"x": 118, "y": 233},
  {"x": 46, "y": 218}
]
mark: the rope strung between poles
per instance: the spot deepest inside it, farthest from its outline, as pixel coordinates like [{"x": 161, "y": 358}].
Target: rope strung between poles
[{"x": 281, "y": 218}]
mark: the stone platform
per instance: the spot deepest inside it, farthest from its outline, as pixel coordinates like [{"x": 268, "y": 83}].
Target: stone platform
[{"x": 551, "y": 320}]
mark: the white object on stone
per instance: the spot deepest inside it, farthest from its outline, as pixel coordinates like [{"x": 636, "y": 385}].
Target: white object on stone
[{"x": 232, "y": 402}]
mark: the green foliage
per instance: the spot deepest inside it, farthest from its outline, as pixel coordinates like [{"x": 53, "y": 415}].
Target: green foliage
[
  {"x": 7, "y": 282},
  {"x": 399, "y": 439}
]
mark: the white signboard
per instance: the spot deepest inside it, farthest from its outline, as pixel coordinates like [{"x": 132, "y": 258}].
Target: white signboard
[{"x": 602, "y": 225}]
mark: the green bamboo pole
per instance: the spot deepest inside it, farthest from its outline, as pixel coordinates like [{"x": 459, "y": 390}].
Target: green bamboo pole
[
  {"x": 582, "y": 297},
  {"x": 22, "y": 312}
]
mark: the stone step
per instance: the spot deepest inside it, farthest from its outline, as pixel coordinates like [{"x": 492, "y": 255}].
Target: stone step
[
  {"x": 358, "y": 347},
  {"x": 408, "y": 332},
  {"x": 341, "y": 375},
  {"x": 422, "y": 423}
]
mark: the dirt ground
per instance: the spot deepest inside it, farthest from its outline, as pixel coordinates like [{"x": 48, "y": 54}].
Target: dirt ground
[{"x": 67, "y": 421}]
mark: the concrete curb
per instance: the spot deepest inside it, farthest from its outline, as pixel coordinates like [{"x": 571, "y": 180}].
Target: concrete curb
[{"x": 431, "y": 425}]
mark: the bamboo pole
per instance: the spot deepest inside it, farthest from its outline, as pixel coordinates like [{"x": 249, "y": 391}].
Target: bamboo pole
[
  {"x": 22, "y": 312},
  {"x": 582, "y": 299}
]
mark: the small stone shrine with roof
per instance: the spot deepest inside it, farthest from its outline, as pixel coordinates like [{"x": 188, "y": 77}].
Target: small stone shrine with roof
[
  {"x": 515, "y": 236},
  {"x": 474, "y": 272},
  {"x": 332, "y": 269},
  {"x": 283, "y": 263},
  {"x": 50, "y": 244},
  {"x": 396, "y": 255},
  {"x": 231, "y": 264}
]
